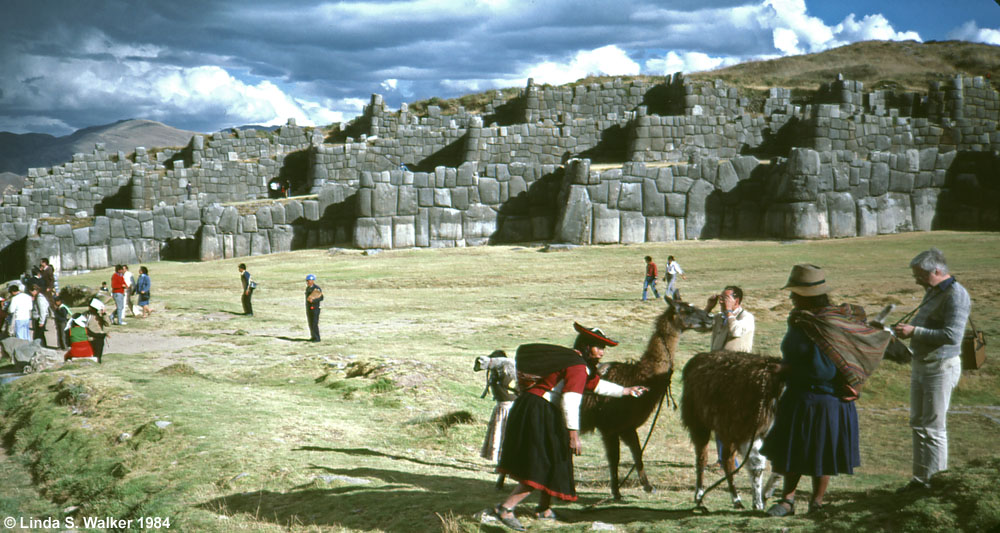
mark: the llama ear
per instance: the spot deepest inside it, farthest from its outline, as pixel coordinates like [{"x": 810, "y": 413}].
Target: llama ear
[{"x": 670, "y": 302}]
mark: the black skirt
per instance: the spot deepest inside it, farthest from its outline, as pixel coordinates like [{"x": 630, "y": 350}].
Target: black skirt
[{"x": 535, "y": 448}]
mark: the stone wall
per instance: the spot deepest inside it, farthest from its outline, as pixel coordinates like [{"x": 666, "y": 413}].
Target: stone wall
[{"x": 846, "y": 163}]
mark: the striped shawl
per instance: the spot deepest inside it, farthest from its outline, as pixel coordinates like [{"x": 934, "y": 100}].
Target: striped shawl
[{"x": 843, "y": 335}]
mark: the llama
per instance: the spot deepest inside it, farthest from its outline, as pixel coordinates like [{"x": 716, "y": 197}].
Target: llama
[
  {"x": 618, "y": 419},
  {"x": 733, "y": 394}
]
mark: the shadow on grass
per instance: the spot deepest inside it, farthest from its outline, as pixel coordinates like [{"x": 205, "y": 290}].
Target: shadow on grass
[
  {"x": 365, "y": 452},
  {"x": 289, "y": 339},
  {"x": 235, "y": 313},
  {"x": 406, "y": 502}
]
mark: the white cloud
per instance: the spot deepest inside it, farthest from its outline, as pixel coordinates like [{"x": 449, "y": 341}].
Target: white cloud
[
  {"x": 687, "y": 62},
  {"x": 389, "y": 84},
  {"x": 971, "y": 32},
  {"x": 605, "y": 61},
  {"x": 871, "y": 27}
]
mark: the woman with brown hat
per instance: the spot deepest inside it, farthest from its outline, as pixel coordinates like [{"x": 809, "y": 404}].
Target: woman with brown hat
[
  {"x": 542, "y": 433},
  {"x": 815, "y": 430}
]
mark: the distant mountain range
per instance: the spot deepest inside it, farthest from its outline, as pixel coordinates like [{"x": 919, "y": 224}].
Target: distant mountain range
[{"x": 19, "y": 152}]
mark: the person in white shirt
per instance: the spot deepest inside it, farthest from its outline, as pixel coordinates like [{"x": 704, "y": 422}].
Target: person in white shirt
[
  {"x": 733, "y": 327},
  {"x": 673, "y": 270},
  {"x": 129, "y": 292},
  {"x": 20, "y": 309}
]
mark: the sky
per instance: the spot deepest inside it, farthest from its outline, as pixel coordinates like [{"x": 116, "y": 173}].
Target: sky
[{"x": 208, "y": 65}]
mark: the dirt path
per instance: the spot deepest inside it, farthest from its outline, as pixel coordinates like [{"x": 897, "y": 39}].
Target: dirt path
[{"x": 121, "y": 342}]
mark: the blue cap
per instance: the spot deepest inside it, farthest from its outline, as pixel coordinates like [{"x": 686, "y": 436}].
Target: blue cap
[{"x": 311, "y": 277}]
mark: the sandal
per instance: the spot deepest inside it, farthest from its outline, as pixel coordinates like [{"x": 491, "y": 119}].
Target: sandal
[
  {"x": 815, "y": 507},
  {"x": 779, "y": 510},
  {"x": 546, "y": 514},
  {"x": 511, "y": 522}
]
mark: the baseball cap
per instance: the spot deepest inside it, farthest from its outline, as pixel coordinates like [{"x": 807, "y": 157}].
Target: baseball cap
[{"x": 311, "y": 277}]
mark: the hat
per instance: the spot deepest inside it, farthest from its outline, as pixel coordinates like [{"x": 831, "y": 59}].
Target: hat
[
  {"x": 594, "y": 335},
  {"x": 807, "y": 280},
  {"x": 97, "y": 304},
  {"x": 79, "y": 321},
  {"x": 311, "y": 277}
]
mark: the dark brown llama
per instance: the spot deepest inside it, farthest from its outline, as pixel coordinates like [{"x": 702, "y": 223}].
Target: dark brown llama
[
  {"x": 618, "y": 419},
  {"x": 733, "y": 394}
]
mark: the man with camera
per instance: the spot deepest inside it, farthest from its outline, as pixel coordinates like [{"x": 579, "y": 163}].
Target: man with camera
[{"x": 733, "y": 327}]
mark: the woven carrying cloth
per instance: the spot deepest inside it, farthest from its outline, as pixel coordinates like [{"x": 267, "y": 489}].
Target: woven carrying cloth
[{"x": 843, "y": 335}]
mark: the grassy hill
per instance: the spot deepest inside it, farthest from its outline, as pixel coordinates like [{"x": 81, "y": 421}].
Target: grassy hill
[
  {"x": 902, "y": 65},
  {"x": 226, "y": 423}
]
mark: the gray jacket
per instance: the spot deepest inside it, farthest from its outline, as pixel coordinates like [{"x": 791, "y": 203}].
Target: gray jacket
[{"x": 940, "y": 324}]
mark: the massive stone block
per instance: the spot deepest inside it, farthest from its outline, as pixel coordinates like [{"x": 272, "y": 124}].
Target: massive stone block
[
  {"x": 210, "y": 246},
  {"x": 924, "y": 202},
  {"x": 607, "y": 225},
  {"x": 660, "y": 229},
  {"x": 894, "y": 213},
  {"x": 633, "y": 227},
  {"x": 445, "y": 224},
  {"x": 803, "y": 161},
  {"x": 384, "y": 199},
  {"x": 97, "y": 257},
  {"x": 403, "y": 231},
  {"x": 867, "y": 217},
  {"x": 479, "y": 223},
  {"x": 630, "y": 197},
  {"x": 654, "y": 202},
  {"x": 406, "y": 201},
  {"x": 281, "y": 236},
  {"x": 373, "y": 232},
  {"x": 260, "y": 244},
  {"x": 696, "y": 217},
  {"x": 228, "y": 221},
  {"x": 842, "y": 215},
  {"x": 727, "y": 178},
  {"x": 576, "y": 217},
  {"x": 489, "y": 191},
  {"x": 263, "y": 216},
  {"x": 293, "y": 212}
]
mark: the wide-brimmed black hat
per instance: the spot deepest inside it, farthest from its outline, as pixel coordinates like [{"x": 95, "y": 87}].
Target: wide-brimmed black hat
[{"x": 594, "y": 336}]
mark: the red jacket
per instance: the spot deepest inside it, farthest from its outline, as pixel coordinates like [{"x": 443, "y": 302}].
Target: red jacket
[{"x": 118, "y": 283}]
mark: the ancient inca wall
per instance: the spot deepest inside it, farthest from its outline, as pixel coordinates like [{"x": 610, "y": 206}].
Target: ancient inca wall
[{"x": 858, "y": 163}]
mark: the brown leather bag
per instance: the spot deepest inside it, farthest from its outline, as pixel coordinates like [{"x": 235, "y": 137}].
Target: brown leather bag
[{"x": 973, "y": 348}]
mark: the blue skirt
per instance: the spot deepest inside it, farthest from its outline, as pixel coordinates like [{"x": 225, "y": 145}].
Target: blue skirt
[{"x": 814, "y": 434}]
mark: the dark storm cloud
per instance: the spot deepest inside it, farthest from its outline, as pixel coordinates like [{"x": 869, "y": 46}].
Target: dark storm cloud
[{"x": 207, "y": 65}]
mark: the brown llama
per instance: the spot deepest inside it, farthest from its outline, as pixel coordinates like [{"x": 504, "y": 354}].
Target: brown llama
[
  {"x": 733, "y": 394},
  {"x": 618, "y": 419}
]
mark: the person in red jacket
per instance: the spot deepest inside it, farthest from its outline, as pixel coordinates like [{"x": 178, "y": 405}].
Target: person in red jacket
[
  {"x": 118, "y": 287},
  {"x": 542, "y": 433}
]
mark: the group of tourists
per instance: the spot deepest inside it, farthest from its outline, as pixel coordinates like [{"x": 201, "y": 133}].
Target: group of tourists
[
  {"x": 815, "y": 431},
  {"x": 33, "y": 309},
  {"x": 672, "y": 272}
]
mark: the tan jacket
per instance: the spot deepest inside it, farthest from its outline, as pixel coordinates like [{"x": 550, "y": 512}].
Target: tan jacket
[{"x": 735, "y": 334}]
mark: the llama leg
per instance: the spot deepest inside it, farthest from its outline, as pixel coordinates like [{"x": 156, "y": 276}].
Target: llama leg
[
  {"x": 700, "y": 459},
  {"x": 729, "y": 464},
  {"x": 756, "y": 463},
  {"x": 773, "y": 482},
  {"x": 631, "y": 439},
  {"x": 613, "y": 452}
]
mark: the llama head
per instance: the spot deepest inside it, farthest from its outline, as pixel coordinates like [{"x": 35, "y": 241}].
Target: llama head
[{"x": 687, "y": 316}]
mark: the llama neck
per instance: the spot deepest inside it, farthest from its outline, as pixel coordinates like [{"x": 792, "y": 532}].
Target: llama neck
[{"x": 659, "y": 356}]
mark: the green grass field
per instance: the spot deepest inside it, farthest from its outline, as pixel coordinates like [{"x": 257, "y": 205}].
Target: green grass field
[{"x": 362, "y": 432}]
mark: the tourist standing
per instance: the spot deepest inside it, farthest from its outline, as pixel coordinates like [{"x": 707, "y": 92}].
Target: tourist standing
[
  {"x": 672, "y": 271},
  {"x": 48, "y": 274},
  {"x": 650, "y": 280},
  {"x": 129, "y": 289},
  {"x": 20, "y": 309},
  {"x": 314, "y": 296},
  {"x": 142, "y": 288},
  {"x": 118, "y": 293},
  {"x": 40, "y": 313},
  {"x": 62, "y": 317},
  {"x": 936, "y": 331},
  {"x": 248, "y": 286}
]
